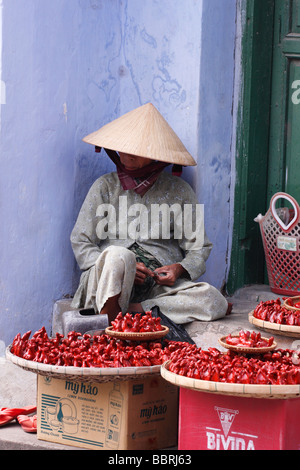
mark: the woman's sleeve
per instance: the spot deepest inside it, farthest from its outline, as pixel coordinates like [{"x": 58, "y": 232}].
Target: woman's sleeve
[
  {"x": 83, "y": 238},
  {"x": 194, "y": 242},
  {"x": 194, "y": 261}
]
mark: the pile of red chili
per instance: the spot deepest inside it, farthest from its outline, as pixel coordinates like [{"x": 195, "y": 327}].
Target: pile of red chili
[
  {"x": 274, "y": 312},
  {"x": 138, "y": 323},
  {"x": 281, "y": 366},
  {"x": 278, "y": 367},
  {"x": 250, "y": 339},
  {"x": 86, "y": 351}
]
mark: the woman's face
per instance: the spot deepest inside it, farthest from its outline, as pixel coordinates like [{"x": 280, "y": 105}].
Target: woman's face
[{"x": 131, "y": 162}]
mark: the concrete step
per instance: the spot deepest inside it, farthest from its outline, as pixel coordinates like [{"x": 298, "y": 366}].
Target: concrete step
[
  {"x": 65, "y": 319},
  {"x": 12, "y": 437}
]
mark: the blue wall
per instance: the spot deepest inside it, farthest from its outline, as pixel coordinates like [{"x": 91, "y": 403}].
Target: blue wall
[
  {"x": 71, "y": 66},
  {"x": 216, "y": 146}
]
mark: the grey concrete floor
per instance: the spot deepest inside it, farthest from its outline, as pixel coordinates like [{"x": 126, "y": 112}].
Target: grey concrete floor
[{"x": 18, "y": 387}]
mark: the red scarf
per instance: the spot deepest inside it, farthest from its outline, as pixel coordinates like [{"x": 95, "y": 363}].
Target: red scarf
[{"x": 139, "y": 180}]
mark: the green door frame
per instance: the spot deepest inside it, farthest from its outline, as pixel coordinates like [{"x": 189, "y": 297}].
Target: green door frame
[{"x": 247, "y": 257}]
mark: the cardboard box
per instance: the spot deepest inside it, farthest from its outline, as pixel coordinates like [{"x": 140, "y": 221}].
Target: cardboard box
[
  {"x": 222, "y": 422},
  {"x": 135, "y": 414}
]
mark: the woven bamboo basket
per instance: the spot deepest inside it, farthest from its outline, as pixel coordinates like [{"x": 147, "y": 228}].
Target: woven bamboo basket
[
  {"x": 289, "y": 303},
  {"x": 275, "y": 328},
  {"x": 83, "y": 374},
  {"x": 240, "y": 390},
  {"x": 131, "y": 336},
  {"x": 245, "y": 349}
]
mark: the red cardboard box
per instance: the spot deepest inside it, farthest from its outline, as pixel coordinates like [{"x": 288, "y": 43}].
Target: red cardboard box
[{"x": 209, "y": 421}]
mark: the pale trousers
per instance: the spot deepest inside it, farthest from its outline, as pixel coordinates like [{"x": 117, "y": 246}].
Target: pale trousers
[{"x": 114, "y": 273}]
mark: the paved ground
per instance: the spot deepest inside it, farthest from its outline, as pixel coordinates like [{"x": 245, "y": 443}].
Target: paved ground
[
  {"x": 18, "y": 387},
  {"x": 244, "y": 301}
]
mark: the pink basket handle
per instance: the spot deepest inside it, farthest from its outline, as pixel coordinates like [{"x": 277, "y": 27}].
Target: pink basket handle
[{"x": 293, "y": 202}]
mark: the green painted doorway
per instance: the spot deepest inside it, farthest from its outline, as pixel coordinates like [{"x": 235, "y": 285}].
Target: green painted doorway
[
  {"x": 268, "y": 137},
  {"x": 284, "y": 148}
]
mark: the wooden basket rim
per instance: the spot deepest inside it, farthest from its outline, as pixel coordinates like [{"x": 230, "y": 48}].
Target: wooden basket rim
[
  {"x": 131, "y": 336},
  {"x": 277, "y": 328}
]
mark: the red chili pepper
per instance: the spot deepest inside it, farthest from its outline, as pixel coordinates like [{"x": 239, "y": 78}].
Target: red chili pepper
[
  {"x": 274, "y": 312},
  {"x": 16, "y": 345},
  {"x": 103, "y": 351},
  {"x": 26, "y": 336},
  {"x": 136, "y": 323},
  {"x": 261, "y": 378},
  {"x": 249, "y": 339}
]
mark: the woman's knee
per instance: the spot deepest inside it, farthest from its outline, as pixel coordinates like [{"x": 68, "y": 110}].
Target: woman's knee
[{"x": 117, "y": 254}]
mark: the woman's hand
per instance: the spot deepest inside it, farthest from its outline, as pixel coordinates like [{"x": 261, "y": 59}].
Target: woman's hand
[
  {"x": 141, "y": 273},
  {"x": 168, "y": 275}
]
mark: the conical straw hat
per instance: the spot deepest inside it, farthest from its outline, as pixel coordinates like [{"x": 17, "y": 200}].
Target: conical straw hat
[{"x": 145, "y": 133}]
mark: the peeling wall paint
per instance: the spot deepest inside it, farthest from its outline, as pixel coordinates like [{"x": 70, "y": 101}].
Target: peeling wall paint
[{"x": 70, "y": 67}]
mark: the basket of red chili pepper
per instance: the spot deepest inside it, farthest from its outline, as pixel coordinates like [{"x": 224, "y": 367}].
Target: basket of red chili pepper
[
  {"x": 248, "y": 342},
  {"x": 85, "y": 358},
  {"x": 273, "y": 315},
  {"x": 275, "y": 374},
  {"x": 293, "y": 303},
  {"x": 138, "y": 327}
]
